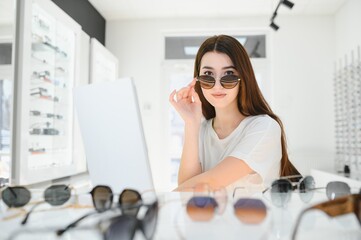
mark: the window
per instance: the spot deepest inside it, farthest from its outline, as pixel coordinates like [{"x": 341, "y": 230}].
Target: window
[{"x": 187, "y": 47}]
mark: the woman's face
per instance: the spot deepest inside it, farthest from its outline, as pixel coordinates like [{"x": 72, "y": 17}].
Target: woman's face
[{"x": 218, "y": 65}]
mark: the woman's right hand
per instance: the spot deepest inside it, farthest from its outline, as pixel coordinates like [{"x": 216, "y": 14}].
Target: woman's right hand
[{"x": 187, "y": 103}]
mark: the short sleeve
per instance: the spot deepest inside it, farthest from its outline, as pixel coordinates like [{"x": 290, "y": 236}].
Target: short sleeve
[{"x": 260, "y": 147}]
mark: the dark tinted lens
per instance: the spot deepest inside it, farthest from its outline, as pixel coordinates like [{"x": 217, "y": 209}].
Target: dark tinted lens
[
  {"x": 250, "y": 211},
  {"x": 281, "y": 191},
  {"x": 337, "y": 189},
  {"x": 306, "y": 187},
  {"x": 16, "y": 196},
  {"x": 206, "y": 82},
  {"x": 102, "y": 198},
  {"x": 149, "y": 221},
  {"x": 129, "y": 198},
  {"x": 121, "y": 227},
  {"x": 57, "y": 195},
  {"x": 229, "y": 81},
  {"x": 201, "y": 208}
]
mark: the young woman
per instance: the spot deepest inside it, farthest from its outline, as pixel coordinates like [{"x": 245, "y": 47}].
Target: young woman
[{"x": 241, "y": 139}]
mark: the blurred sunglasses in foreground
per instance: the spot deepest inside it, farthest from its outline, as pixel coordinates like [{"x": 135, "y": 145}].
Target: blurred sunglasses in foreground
[
  {"x": 118, "y": 227},
  {"x": 15, "y": 197},
  {"x": 125, "y": 226},
  {"x": 19, "y": 196},
  {"x": 102, "y": 197},
  {"x": 334, "y": 208},
  {"x": 281, "y": 189},
  {"x": 227, "y": 81},
  {"x": 55, "y": 195},
  {"x": 247, "y": 210}
]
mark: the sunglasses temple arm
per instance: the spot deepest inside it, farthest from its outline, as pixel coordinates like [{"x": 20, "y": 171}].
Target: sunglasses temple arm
[
  {"x": 264, "y": 191},
  {"x": 73, "y": 224},
  {"x": 28, "y": 214},
  {"x": 298, "y": 222}
]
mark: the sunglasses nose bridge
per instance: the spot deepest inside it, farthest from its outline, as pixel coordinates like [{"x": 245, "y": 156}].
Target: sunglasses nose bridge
[{"x": 217, "y": 83}]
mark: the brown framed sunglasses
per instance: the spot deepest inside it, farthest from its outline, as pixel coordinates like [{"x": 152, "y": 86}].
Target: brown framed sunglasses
[
  {"x": 334, "y": 208},
  {"x": 227, "y": 81}
]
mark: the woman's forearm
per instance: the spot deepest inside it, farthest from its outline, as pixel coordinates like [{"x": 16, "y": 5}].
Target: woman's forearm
[
  {"x": 190, "y": 165},
  {"x": 226, "y": 172}
]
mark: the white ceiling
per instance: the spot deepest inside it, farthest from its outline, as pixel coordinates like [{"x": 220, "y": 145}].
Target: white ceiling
[{"x": 146, "y": 9}]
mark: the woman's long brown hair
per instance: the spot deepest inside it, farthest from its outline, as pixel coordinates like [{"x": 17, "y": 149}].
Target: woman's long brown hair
[{"x": 250, "y": 99}]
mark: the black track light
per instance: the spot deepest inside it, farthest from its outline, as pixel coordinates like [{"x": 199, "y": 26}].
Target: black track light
[
  {"x": 274, "y": 26},
  {"x": 288, "y": 3}
]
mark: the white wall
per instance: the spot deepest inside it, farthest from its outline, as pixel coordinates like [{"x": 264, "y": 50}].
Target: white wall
[
  {"x": 6, "y": 32},
  {"x": 348, "y": 28},
  {"x": 302, "y": 64}
]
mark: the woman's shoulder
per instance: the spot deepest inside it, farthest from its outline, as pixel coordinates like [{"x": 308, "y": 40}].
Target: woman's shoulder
[
  {"x": 206, "y": 123},
  {"x": 263, "y": 122}
]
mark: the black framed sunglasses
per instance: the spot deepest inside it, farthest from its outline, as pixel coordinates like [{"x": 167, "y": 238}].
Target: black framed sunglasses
[
  {"x": 227, "y": 81},
  {"x": 117, "y": 227},
  {"x": 334, "y": 208},
  {"x": 125, "y": 226},
  {"x": 281, "y": 189},
  {"x": 55, "y": 195},
  {"x": 102, "y": 197},
  {"x": 15, "y": 197},
  {"x": 19, "y": 196}
]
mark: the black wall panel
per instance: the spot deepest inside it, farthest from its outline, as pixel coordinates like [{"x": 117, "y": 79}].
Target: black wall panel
[{"x": 86, "y": 15}]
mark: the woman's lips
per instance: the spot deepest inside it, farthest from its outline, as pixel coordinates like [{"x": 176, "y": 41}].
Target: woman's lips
[{"x": 218, "y": 95}]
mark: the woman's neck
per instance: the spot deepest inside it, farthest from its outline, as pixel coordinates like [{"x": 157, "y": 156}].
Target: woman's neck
[{"x": 226, "y": 120}]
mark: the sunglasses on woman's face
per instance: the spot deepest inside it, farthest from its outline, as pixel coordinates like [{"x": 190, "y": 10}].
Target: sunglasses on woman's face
[
  {"x": 333, "y": 208},
  {"x": 247, "y": 210},
  {"x": 102, "y": 197},
  {"x": 227, "y": 81},
  {"x": 281, "y": 189}
]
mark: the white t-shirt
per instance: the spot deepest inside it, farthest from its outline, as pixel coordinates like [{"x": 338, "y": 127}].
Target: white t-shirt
[{"x": 256, "y": 141}]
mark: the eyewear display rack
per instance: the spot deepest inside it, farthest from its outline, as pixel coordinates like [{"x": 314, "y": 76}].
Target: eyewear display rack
[
  {"x": 347, "y": 91},
  {"x": 48, "y": 66}
]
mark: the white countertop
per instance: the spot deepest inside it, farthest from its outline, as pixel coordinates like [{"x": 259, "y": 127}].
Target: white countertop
[{"x": 174, "y": 223}]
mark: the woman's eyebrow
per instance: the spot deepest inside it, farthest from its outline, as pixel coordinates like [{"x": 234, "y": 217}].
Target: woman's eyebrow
[
  {"x": 226, "y": 67},
  {"x": 229, "y": 67},
  {"x": 206, "y": 67}
]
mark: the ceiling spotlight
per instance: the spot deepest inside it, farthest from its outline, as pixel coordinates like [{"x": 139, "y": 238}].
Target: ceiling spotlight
[
  {"x": 274, "y": 26},
  {"x": 288, "y": 3}
]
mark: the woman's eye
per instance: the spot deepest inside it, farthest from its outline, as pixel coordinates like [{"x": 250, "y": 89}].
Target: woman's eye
[
  {"x": 229, "y": 73},
  {"x": 208, "y": 73}
]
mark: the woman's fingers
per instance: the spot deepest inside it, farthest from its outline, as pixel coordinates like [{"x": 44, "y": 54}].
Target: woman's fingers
[
  {"x": 171, "y": 96},
  {"x": 187, "y": 94},
  {"x": 183, "y": 93},
  {"x": 195, "y": 96}
]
